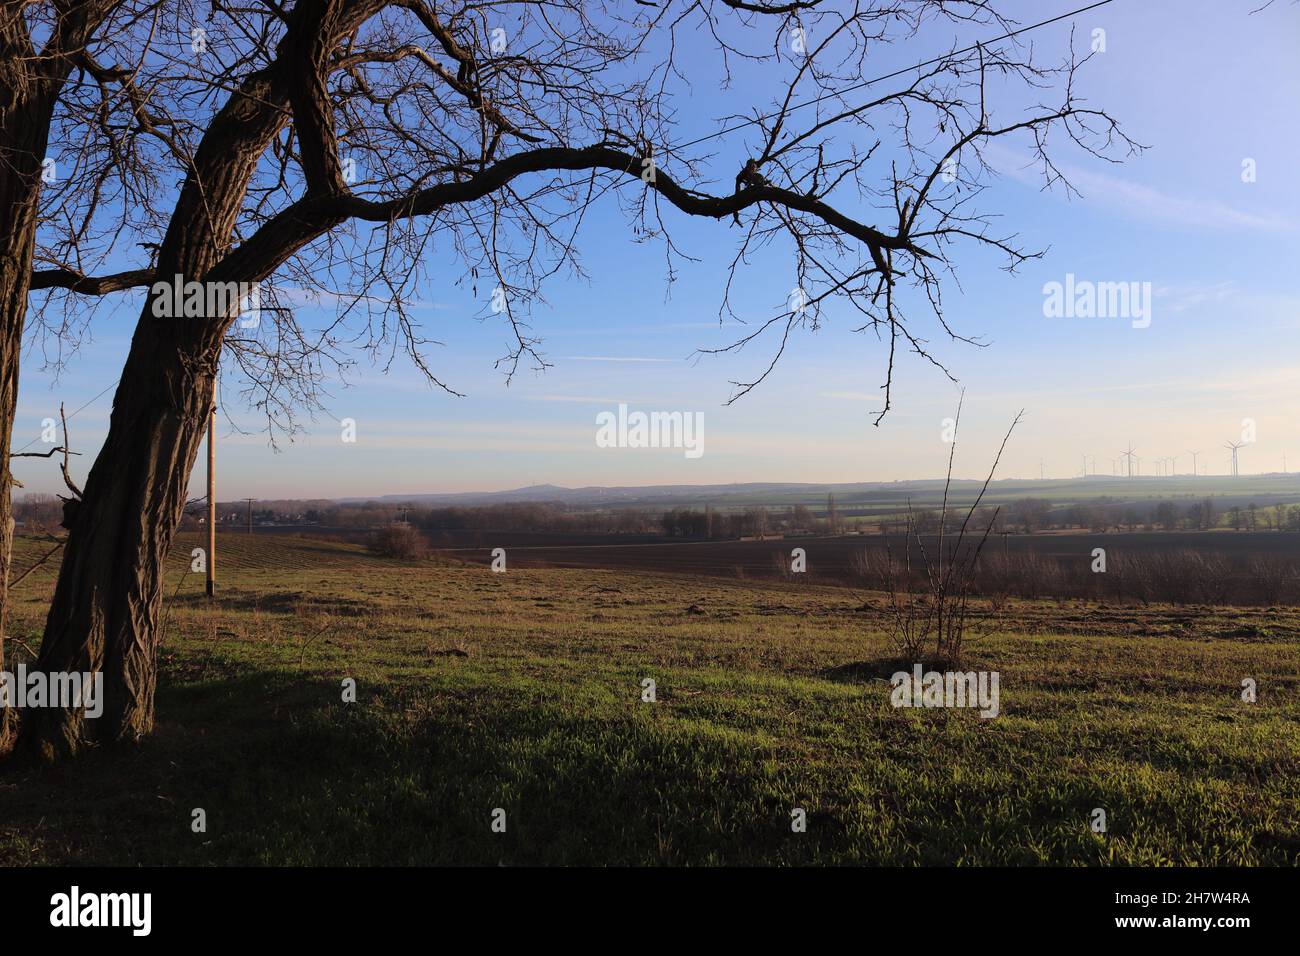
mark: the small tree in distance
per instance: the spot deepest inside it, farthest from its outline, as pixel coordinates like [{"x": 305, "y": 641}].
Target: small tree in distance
[
  {"x": 935, "y": 614},
  {"x": 399, "y": 540}
]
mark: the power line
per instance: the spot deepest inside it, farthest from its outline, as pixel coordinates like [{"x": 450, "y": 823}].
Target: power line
[
  {"x": 72, "y": 416},
  {"x": 889, "y": 76}
]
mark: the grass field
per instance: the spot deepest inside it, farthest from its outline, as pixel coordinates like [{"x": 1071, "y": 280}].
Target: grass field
[{"x": 522, "y": 691}]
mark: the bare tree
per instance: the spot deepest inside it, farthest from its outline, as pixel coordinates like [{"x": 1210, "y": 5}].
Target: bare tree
[
  {"x": 46, "y": 49},
  {"x": 336, "y": 144}
]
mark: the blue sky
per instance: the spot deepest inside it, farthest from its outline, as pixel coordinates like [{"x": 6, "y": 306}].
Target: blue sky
[{"x": 1204, "y": 84}]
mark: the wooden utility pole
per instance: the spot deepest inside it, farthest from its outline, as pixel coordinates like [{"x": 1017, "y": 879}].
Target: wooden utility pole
[
  {"x": 212, "y": 497},
  {"x": 250, "y": 514}
]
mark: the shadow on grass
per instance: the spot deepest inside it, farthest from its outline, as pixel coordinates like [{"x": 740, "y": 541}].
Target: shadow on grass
[
  {"x": 410, "y": 774},
  {"x": 878, "y": 669},
  {"x": 288, "y": 774},
  {"x": 278, "y": 602}
]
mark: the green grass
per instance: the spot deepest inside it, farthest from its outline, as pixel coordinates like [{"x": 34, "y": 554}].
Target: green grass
[{"x": 523, "y": 691}]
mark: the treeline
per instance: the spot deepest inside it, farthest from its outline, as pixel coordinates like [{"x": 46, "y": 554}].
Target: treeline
[
  {"x": 1174, "y": 576},
  {"x": 37, "y": 513},
  {"x": 370, "y": 515},
  {"x": 755, "y": 522},
  {"x": 533, "y": 517},
  {"x": 1029, "y": 515}
]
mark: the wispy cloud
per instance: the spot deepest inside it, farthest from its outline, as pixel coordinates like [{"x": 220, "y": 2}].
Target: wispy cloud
[
  {"x": 1184, "y": 297},
  {"x": 1137, "y": 200}
]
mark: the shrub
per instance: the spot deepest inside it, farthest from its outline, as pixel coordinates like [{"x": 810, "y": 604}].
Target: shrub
[
  {"x": 1276, "y": 578},
  {"x": 932, "y": 612},
  {"x": 399, "y": 540}
]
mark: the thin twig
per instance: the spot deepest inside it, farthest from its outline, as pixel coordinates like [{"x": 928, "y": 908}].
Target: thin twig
[
  {"x": 67, "y": 478},
  {"x": 14, "y": 583}
]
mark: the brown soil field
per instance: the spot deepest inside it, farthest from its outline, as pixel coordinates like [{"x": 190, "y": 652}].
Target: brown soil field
[{"x": 831, "y": 559}]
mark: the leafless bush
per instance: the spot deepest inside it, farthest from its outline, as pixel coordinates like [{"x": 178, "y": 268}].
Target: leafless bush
[
  {"x": 911, "y": 618},
  {"x": 1052, "y": 576},
  {"x": 876, "y": 568},
  {"x": 934, "y": 613},
  {"x": 782, "y": 565},
  {"x": 1025, "y": 575},
  {"x": 1277, "y": 579},
  {"x": 996, "y": 579},
  {"x": 1173, "y": 576},
  {"x": 862, "y": 566},
  {"x": 1207, "y": 575},
  {"x": 1180, "y": 576},
  {"x": 399, "y": 540},
  {"x": 1132, "y": 577}
]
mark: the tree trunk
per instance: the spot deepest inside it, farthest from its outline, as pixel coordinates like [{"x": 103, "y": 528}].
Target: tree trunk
[
  {"x": 24, "y": 130},
  {"x": 104, "y": 616},
  {"x": 30, "y": 85},
  {"x": 18, "y": 233},
  {"x": 105, "y": 609}
]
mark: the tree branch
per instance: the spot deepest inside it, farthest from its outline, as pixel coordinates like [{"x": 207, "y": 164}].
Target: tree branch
[
  {"x": 311, "y": 216},
  {"x": 70, "y": 279}
]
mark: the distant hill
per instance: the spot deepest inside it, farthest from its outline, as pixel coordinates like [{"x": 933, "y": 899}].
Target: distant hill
[
  {"x": 627, "y": 496},
  {"x": 882, "y": 494}
]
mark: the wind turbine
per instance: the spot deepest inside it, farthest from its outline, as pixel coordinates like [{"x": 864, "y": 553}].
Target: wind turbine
[
  {"x": 1193, "y": 454},
  {"x": 1129, "y": 455},
  {"x": 1233, "y": 446}
]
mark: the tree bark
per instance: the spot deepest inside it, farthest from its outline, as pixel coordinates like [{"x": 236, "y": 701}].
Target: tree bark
[
  {"x": 18, "y": 213},
  {"x": 27, "y": 95},
  {"x": 105, "y": 608}
]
